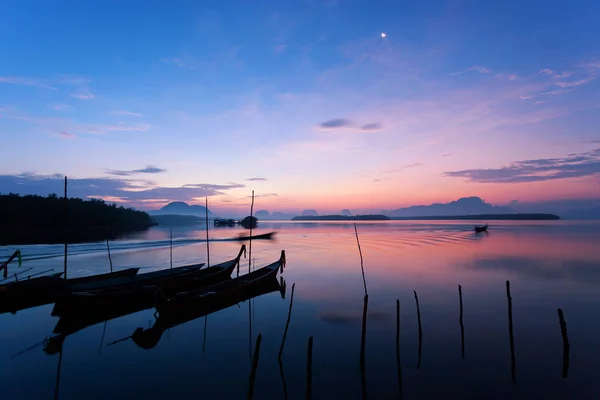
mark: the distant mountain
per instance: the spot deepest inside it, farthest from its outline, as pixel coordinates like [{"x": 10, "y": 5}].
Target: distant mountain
[
  {"x": 309, "y": 213},
  {"x": 280, "y": 216},
  {"x": 345, "y": 212},
  {"x": 262, "y": 214},
  {"x": 463, "y": 206},
  {"x": 181, "y": 208},
  {"x": 565, "y": 208}
]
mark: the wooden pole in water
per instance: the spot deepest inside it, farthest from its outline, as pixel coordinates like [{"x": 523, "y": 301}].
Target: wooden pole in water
[
  {"x": 309, "y": 369},
  {"x": 398, "y": 348},
  {"x": 66, "y": 227},
  {"x": 207, "y": 246},
  {"x": 171, "y": 247},
  {"x": 460, "y": 320},
  {"x": 108, "y": 249},
  {"x": 420, "y": 329},
  {"x": 254, "y": 366},
  {"x": 250, "y": 243},
  {"x": 287, "y": 324},
  {"x": 363, "y": 342},
  {"x": 566, "y": 346},
  {"x": 513, "y": 363},
  {"x": 362, "y": 268}
]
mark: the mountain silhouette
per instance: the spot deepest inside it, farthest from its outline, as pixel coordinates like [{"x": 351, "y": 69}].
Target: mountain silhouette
[
  {"x": 182, "y": 208},
  {"x": 462, "y": 206}
]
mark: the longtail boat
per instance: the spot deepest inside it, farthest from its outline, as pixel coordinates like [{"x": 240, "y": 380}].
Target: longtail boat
[
  {"x": 264, "y": 236},
  {"x": 29, "y": 292},
  {"x": 149, "y": 338},
  {"x": 479, "y": 229},
  {"x": 143, "y": 293},
  {"x": 219, "y": 291}
]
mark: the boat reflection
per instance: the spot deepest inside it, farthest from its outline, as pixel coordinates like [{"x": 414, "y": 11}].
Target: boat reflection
[{"x": 149, "y": 338}]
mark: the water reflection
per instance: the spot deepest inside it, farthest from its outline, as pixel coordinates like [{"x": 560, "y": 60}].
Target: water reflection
[{"x": 548, "y": 266}]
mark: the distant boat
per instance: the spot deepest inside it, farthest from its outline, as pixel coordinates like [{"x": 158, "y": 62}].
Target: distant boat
[
  {"x": 479, "y": 229},
  {"x": 266, "y": 236}
]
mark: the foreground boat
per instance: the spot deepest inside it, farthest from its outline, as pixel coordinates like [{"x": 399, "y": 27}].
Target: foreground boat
[
  {"x": 143, "y": 293},
  {"x": 149, "y": 338},
  {"x": 220, "y": 291},
  {"x": 33, "y": 292}
]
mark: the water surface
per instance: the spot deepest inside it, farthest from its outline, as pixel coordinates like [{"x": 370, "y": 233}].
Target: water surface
[{"x": 550, "y": 265}]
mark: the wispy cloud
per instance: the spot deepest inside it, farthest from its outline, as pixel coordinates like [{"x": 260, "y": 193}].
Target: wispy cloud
[
  {"x": 67, "y": 135},
  {"x": 148, "y": 170},
  {"x": 173, "y": 61},
  {"x": 575, "y": 83},
  {"x": 83, "y": 95},
  {"x": 280, "y": 48},
  {"x": 446, "y": 155},
  {"x": 26, "y": 82},
  {"x": 257, "y": 179},
  {"x": 412, "y": 165},
  {"x": 59, "y": 107},
  {"x": 260, "y": 196},
  {"x": 573, "y": 166},
  {"x": 475, "y": 68},
  {"x": 345, "y": 124},
  {"x": 126, "y": 113}
]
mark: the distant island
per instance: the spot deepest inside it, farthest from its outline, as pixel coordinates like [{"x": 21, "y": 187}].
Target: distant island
[
  {"x": 483, "y": 217},
  {"x": 371, "y": 217},
  {"x": 36, "y": 219}
]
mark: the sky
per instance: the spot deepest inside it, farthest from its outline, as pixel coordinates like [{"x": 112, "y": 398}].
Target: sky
[{"x": 313, "y": 104}]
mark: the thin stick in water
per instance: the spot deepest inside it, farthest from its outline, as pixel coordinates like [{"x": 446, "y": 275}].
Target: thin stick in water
[
  {"x": 460, "y": 320},
  {"x": 363, "y": 342},
  {"x": 254, "y": 366},
  {"x": 513, "y": 364},
  {"x": 287, "y": 323},
  {"x": 108, "y": 249},
  {"x": 362, "y": 268},
  {"x": 309, "y": 369},
  {"x": 398, "y": 348},
  {"x": 66, "y": 227},
  {"x": 566, "y": 346},
  {"x": 250, "y": 242},
  {"x": 207, "y": 244},
  {"x": 171, "y": 246},
  {"x": 102, "y": 340},
  {"x": 420, "y": 329}
]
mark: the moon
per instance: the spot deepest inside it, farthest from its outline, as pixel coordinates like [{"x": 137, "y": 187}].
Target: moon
[{"x": 383, "y": 35}]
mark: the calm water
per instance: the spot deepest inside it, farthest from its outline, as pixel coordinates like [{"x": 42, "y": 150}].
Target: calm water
[{"x": 550, "y": 265}]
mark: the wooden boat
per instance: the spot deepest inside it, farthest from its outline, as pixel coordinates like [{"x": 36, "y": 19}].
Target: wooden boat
[
  {"x": 144, "y": 293},
  {"x": 264, "y": 236},
  {"x": 220, "y": 291},
  {"x": 149, "y": 338},
  {"x": 27, "y": 293},
  {"x": 479, "y": 229}
]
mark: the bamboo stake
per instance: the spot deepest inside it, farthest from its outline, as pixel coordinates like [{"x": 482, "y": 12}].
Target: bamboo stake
[
  {"x": 207, "y": 245},
  {"x": 513, "y": 366},
  {"x": 66, "y": 221},
  {"x": 420, "y": 329},
  {"x": 361, "y": 260},
  {"x": 566, "y": 346},
  {"x": 309, "y": 369},
  {"x": 287, "y": 324},
  {"x": 363, "y": 342},
  {"x": 250, "y": 243},
  {"x": 460, "y": 320},
  {"x": 108, "y": 249},
  {"x": 254, "y": 366}
]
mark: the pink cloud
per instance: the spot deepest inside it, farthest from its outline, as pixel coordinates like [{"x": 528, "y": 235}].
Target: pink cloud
[
  {"x": 280, "y": 48},
  {"x": 576, "y": 83},
  {"x": 67, "y": 135},
  {"x": 128, "y": 113}
]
